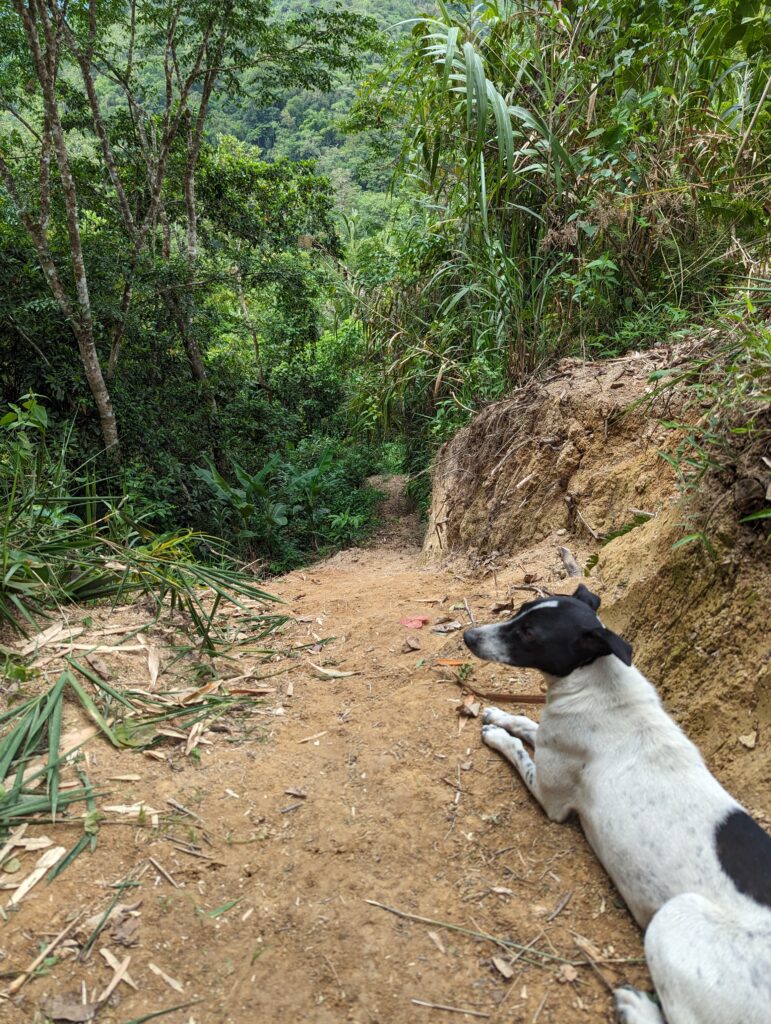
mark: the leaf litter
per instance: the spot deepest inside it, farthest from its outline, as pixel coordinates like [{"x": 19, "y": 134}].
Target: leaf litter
[{"x": 42, "y": 764}]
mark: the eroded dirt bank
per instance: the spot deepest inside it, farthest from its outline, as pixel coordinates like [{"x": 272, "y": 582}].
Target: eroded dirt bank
[
  {"x": 370, "y": 787},
  {"x": 577, "y": 460}
]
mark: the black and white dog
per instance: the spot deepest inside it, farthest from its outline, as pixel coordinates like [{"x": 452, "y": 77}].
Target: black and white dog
[{"x": 691, "y": 864}]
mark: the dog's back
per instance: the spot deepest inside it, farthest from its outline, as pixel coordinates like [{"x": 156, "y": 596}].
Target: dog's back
[{"x": 658, "y": 821}]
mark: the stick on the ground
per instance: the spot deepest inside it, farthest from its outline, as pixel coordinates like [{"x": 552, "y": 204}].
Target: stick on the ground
[
  {"x": 504, "y": 698},
  {"x": 185, "y": 810},
  {"x": 560, "y": 906},
  {"x": 449, "y": 1009},
  {"x": 162, "y": 871},
  {"x": 24, "y": 977},
  {"x": 572, "y": 566},
  {"x": 507, "y": 943},
  {"x": 590, "y": 528}
]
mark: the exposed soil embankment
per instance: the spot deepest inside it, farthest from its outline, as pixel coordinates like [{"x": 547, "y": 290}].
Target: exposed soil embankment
[{"x": 577, "y": 458}]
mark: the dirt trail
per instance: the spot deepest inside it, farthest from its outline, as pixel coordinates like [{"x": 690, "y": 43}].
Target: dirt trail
[{"x": 402, "y": 806}]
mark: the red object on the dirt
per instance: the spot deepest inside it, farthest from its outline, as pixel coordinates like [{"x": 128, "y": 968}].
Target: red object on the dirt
[{"x": 415, "y": 621}]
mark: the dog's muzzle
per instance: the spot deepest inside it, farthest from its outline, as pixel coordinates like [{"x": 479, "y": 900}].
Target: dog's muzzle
[{"x": 471, "y": 639}]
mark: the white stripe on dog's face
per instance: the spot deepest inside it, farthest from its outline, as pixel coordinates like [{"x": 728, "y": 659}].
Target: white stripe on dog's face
[
  {"x": 535, "y": 608},
  {"x": 488, "y": 639}
]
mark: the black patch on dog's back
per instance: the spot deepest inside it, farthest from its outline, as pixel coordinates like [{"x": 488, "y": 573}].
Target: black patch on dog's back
[{"x": 744, "y": 852}]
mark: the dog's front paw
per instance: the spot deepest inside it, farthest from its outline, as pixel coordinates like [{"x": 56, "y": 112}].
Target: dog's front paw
[
  {"x": 499, "y": 739},
  {"x": 489, "y": 715},
  {"x": 636, "y": 1007}
]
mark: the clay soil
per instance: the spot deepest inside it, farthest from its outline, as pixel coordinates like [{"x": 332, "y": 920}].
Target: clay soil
[{"x": 400, "y": 805}]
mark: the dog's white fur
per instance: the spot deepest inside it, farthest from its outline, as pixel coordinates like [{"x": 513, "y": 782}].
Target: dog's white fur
[{"x": 607, "y": 750}]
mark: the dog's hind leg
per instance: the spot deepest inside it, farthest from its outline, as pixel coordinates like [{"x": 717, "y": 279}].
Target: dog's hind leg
[
  {"x": 709, "y": 964},
  {"x": 517, "y": 725}
]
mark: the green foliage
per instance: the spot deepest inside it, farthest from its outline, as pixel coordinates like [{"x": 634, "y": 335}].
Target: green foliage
[
  {"x": 311, "y": 500},
  {"x": 732, "y": 391},
  {"x": 65, "y": 540},
  {"x": 311, "y": 124},
  {"x": 579, "y": 178},
  {"x": 34, "y": 727},
  {"x": 727, "y": 431}
]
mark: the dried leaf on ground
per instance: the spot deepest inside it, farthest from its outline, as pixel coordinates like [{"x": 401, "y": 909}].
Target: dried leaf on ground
[
  {"x": 124, "y": 932},
  {"x": 171, "y": 982},
  {"x": 45, "y": 637},
  {"x": 503, "y": 967},
  {"x": 194, "y": 738},
  {"x": 139, "y": 810},
  {"x": 117, "y": 914},
  {"x": 437, "y": 941},
  {"x": 469, "y": 707},
  {"x": 48, "y": 860},
  {"x": 69, "y": 1008},
  {"x": 331, "y": 673},
  {"x": 447, "y": 627},
  {"x": 99, "y": 666},
  {"x": 502, "y": 606},
  {"x": 587, "y": 946},
  {"x": 153, "y": 665},
  {"x": 410, "y": 645}
]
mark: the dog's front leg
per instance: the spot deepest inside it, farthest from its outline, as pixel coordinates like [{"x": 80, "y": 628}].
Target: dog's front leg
[
  {"x": 505, "y": 733},
  {"x": 518, "y": 725},
  {"x": 513, "y": 750}
]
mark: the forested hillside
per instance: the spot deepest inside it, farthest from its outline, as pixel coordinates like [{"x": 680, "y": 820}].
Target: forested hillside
[
  {"x": 255, "y": 253},
  {"x": 311, "y": 125}
]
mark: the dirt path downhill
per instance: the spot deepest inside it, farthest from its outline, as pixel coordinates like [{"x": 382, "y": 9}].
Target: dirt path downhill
[{"x": 368, "y": 787}]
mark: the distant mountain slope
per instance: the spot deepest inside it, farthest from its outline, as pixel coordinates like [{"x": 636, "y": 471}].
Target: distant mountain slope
[{"x": 305, "y": 125}]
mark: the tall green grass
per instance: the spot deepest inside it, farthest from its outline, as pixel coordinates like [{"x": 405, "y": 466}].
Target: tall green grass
[{"x": 581, "y": 178}]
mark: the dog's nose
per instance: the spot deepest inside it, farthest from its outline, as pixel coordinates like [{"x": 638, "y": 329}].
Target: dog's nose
[{"x": 469, "y": 638}]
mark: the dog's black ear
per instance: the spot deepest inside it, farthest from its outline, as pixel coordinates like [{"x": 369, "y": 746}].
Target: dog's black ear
[
  {"x": 584, "y": 594},
  {"x": 613, "y": 644}
]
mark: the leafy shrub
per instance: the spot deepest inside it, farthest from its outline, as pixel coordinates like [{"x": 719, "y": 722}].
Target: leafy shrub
[{"x": 307, "y": 501}]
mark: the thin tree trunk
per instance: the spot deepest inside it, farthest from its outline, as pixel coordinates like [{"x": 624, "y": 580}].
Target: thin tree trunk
[
  {"x": 252, "y": 330},
  {"x": 192, "y": 349},
  {"x": 81, "y": 320},
  {"x": 119, "y": 327}
]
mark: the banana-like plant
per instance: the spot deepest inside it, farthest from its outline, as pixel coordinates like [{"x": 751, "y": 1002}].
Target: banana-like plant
[{"x": 543, "y": 142}]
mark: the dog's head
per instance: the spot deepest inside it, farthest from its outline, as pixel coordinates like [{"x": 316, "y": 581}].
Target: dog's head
[{"x": 554, "y": 634}]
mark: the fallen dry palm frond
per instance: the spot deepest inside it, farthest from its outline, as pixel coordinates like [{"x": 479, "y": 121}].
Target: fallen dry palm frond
[{"x": 34, "y": 749}]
